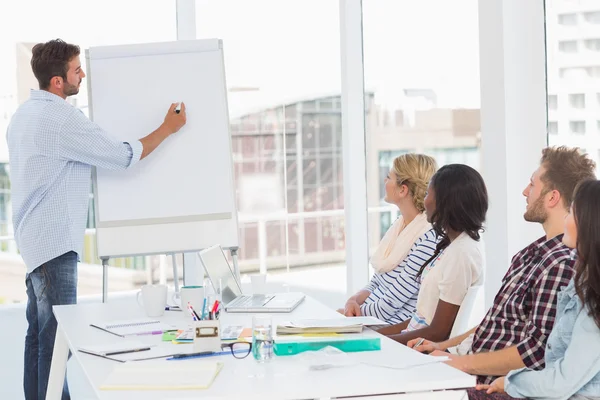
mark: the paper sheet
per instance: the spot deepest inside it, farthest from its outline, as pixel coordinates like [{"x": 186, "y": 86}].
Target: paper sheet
[
  {"x": 367, "y": 321},
  {"x": 162, "y": 375},
  {"x": 114, "y": 347}
]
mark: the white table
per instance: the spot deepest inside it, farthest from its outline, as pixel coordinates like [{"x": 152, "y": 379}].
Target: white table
[{"x": 281, "y": 378}]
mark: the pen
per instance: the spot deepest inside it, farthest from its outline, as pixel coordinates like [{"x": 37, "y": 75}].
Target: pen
[
  {"x": 178, "y": 108},
  {"x": 203, "y": 308},
  {"x": 203, "y": 354},
  {"x": 420, "y": 342},
  {"x": 126, "y": 351},
  {"x": 191, "y": 310},
  {"x": 188, "y": 355},
  {"x": 195, "y": 313},
  {"x": 173, "y": 308},
  {"x": 215, "y": 306},
  {"x": 149, "y": 333}
]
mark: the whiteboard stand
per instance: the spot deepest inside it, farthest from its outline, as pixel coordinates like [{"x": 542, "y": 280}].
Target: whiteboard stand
[
  {"x": 104, "y": 279},
  {"x": 105, "y": 275},
  {"x": 175, "y": 273},
  {"x": 236, "y": 267},
  {"x": 127, "y": 224}
]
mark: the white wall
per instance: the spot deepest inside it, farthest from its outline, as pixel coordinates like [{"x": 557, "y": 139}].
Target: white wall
[{"x": 513, "y": 123}]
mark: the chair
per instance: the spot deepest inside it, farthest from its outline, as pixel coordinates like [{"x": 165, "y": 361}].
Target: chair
[{"x": 471, "y": 311}]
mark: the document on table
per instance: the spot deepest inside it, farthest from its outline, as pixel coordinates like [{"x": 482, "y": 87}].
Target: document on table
[
  {"x": 410, "y": 360},
  {"x": 159, "y": 375},
  {"x": 127, "y": 350},
  {"x": 367, "y": 321},
  {"x": 133, "y": 327}
]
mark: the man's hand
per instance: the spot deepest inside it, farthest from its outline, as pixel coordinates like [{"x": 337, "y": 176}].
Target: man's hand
[
  {"x": 174, "y": 121},
  {"x": 496, "y": 387},
  {"x": 458, "y": 362},
  {"x": 352, "y": 309},
  {"x": 425, "y": 347}
]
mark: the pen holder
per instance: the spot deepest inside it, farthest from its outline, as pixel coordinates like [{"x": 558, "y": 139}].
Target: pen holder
[{"x": 207, "y": 336}]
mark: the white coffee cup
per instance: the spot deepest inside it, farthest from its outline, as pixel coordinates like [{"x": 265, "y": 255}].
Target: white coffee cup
[
  {"x": 154, "y": 299},
  {"x": 259, "y": 283},
  {"x": 190, "y": 294}
]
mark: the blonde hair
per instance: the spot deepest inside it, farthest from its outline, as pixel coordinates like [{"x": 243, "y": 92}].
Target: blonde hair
[{"x": 414, "y": 171}]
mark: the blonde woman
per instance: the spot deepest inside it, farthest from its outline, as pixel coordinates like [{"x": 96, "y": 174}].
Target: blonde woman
[{"x": 392, "y": 293}]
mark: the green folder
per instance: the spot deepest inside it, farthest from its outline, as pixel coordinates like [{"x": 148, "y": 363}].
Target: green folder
[{"x": 289, "y": 347}]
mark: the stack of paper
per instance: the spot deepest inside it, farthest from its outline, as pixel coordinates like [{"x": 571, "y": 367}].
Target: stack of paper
[
  {"x": 367, "y": 321},
  {"x": 162, "y": 376},
  {"x": 315, "y": 326},
  {"x": 133, "y": 327}
]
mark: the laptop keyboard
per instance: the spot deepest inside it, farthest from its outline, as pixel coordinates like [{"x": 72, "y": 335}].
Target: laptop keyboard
[{"x": 250, "y": 301}]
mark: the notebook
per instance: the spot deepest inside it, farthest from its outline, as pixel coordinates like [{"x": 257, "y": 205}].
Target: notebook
[
  {"x": 120, "y": 346},
  {"x": 341, "y": 325},
  {"x": 134, "y": 327},
  {"x": 126, "y": 350},
  {"x": 156, "y": 375}
]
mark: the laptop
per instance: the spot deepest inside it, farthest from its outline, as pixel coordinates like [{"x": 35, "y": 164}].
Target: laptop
[{"x": 219, "y": 271}]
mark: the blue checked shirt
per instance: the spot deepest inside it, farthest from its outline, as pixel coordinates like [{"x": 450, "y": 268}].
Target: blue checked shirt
[{"x": 52, "y": 147}]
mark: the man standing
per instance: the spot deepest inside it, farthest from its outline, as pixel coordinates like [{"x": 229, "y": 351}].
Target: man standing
[
  {"x": 514, "y": 332},
  {"x": 52, "y": 149}
]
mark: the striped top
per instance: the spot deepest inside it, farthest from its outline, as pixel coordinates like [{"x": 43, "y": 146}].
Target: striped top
[{"x": 394, "y": 294}]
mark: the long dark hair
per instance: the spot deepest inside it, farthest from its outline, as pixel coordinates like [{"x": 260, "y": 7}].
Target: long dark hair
[
  {"x": 587, "y": 267},
  {"x": 461, "y": 202}
]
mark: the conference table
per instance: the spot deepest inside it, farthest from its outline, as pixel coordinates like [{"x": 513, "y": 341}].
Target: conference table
[{"x": 370, "y": 375}]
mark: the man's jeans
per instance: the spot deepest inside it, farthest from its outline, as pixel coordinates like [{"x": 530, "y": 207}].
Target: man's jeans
[{"x": 53, "y": 283}]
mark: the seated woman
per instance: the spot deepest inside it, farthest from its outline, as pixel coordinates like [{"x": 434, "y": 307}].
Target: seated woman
[
  {"x": 573, "y": 348},
  {"x": 391, "y": 295},
  {"x": 456, "y": 204}
]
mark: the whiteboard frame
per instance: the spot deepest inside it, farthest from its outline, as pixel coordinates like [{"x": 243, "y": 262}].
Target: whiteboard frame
[{"x": 206, "y": 229}]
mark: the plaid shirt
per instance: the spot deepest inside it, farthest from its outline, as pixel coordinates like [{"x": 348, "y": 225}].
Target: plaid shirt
[{"x": 524, "y": 309}]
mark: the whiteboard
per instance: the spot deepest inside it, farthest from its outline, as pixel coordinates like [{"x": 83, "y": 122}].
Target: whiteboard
[{"x": 181, "y": 197}]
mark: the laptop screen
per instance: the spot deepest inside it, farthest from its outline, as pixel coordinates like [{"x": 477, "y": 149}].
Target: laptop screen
[{"x": 217, "y": 268}]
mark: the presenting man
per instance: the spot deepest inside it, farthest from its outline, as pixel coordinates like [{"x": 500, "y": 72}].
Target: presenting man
[{"x": 52, "y": 149}]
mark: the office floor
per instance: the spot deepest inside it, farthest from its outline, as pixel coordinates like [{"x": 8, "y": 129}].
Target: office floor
[{"x": 326, "y": 285}]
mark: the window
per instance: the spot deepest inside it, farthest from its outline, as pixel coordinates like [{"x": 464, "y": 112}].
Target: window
[
  {"x": 294, "y": 74},
  {"x": 592, "y": 17},
  {"x": 577, "y": 101},
  {"x": 552, "y": 102},
  {"x": 594, "y": 72},
  {"x": 422, "y": 102},
  {"x": 553, "y": 128},
  {"x": 592, "y": 44},
  {"x": 567, "y": 19},
  {"x": 29, "y": 24},
  {"x": 577, "y": 127},
  {"x": 575, "y": 73},
  {"x": 569, "y": 46}
]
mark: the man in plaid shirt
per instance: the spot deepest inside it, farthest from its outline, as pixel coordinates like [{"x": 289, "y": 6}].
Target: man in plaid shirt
[{"x": 514, "y": 331}]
